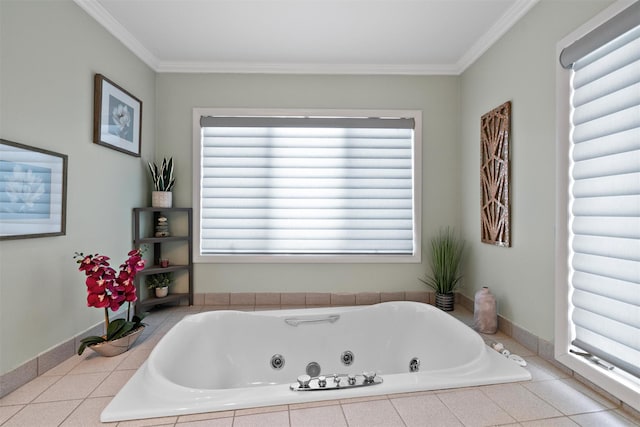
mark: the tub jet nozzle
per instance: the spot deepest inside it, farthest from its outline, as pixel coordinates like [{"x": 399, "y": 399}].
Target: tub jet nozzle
[{"x": 277, "y": 361}]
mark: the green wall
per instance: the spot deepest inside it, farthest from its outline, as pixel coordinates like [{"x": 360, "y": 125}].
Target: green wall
[
  {"x": 438, "y": 99},
  {"x": 49, "y": 53},
  {"x": 520, "y": 67}
]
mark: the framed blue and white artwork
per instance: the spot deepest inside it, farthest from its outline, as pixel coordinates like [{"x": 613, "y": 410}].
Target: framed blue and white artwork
[
  {"x": 117, "y": 117},
  {"x": 33, "y": 187}
]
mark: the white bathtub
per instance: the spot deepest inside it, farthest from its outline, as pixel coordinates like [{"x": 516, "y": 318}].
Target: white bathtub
[{"x": 222, "y": 360}]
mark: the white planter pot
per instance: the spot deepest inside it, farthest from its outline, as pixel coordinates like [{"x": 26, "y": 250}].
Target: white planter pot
[
  {"x": 162, "y": 292},
  {"x": 161, "y": 199}
]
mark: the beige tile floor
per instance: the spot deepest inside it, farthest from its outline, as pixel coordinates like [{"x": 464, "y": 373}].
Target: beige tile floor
[{"x": 75, "y": 392}]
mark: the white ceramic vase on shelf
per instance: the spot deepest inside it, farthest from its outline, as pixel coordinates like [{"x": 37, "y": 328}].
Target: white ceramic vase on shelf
[{"x": 161, "y": 199}]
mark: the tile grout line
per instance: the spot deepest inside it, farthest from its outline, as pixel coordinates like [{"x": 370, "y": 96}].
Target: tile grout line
[
  {"x": 152, "y": 332},
  {"x": 396, "y": 410},
  {"x": 344, "y": 415},
  {"x": 449, "y": 408}
]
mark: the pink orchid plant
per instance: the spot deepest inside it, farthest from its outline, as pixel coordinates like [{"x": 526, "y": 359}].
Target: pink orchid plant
[{"x": 109, "y": 289}]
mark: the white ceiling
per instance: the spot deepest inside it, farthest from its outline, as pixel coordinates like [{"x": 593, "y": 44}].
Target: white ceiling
[{"x": 308, "y": 36}]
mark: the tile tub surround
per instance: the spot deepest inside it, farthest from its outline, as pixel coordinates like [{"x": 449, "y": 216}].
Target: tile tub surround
[
  {"x": 274, "y": 301},
  {"x": 76, "y": 390},
  {"x": 217, "y": 354},
  {"x": 213, "y": 301}
]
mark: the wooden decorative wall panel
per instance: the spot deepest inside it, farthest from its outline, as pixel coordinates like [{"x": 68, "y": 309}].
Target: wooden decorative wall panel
[{"x": 495, "y": 127}]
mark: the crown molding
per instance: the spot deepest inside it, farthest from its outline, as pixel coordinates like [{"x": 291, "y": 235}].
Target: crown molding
[
  {"x": 504, "y": 24},
  {"x": 104, "y": 18},
  {"x": 278, "y": 68}
]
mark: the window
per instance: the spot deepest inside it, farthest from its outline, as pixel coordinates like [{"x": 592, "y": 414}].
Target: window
[
  {"x": 598, "y": 297},
  {"x": 300, "y": 186}
]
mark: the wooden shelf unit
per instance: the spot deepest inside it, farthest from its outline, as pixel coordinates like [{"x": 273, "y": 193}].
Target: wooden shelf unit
[{"x": 147, "y": 217}]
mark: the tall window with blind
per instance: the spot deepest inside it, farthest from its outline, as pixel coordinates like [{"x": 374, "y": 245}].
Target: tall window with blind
[
  {"x": 603, "y": 198},
  {"x": 294, "y": 186}
]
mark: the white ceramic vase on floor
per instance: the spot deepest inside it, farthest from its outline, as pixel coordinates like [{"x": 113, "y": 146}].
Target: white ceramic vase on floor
[{"x": 485, "y": 316}]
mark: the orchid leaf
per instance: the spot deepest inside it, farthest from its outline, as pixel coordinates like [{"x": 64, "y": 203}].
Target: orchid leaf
[
  {"x": 137, "y": 319},
  {"x": 117, "y": 328},
  {"x": 85, "y": 342}
]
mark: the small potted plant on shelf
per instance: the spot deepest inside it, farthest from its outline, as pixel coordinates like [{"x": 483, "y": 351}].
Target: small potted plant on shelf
[
  {"x": 109, "y": 289},
  {"x": 446, "y": 254},
  {"x": 163, "y": 182},
  {"x": 160, "y": 282}
]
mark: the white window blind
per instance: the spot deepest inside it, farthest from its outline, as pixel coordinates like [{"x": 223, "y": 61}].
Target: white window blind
[
  {"x": 605, "y": 221},
  {"x": 307, "y": 186}
]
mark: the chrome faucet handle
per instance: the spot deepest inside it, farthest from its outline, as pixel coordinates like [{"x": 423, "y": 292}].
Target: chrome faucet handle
[
  {"x": 368, "y": 376},
  {"x": 303, "y": 381},
  {"x": 336, "y": 380},
  {"x": 352, "y": 379},
  {"x": 322, "y": 381}
]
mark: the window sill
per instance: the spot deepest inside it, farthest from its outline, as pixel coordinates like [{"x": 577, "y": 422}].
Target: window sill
[
  {"x": 618, "y": 384},
  {"x": 307, "y": 259}
]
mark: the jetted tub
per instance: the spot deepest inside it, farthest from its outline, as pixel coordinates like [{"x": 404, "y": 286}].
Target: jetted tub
[{"x": 223, "y": 360}]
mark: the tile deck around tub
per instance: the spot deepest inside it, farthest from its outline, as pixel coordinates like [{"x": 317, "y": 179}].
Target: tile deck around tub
[{"x": 75, "y": 392}]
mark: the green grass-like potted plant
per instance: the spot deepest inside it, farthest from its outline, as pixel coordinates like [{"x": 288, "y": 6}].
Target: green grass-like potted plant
[
  {"x": 160, "y": 282},
  {"x": 446, "y": 254},
  {"x": 163, "y": 182}
]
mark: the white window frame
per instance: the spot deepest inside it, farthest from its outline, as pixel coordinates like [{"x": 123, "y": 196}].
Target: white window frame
[
  {"x": 623, "y": 386},
  {"x": 416, "y": 257}
]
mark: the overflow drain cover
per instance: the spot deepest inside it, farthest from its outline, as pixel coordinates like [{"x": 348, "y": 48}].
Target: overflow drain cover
[{"x": 313, "y": 369}]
